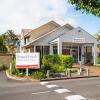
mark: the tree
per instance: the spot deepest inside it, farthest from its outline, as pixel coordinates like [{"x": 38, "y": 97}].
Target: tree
[
  {"x": 88, "y": 6},
  {"x": 11, "y": 40},
  {"x": 97, "y": 35},
  {"x": 3, "y": 47}
]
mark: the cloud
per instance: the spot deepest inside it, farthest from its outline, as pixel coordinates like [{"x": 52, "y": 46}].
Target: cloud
[{"x": 18, "y": 14}]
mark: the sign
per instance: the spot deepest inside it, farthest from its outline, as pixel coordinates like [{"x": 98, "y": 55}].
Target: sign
[
  {"x": 28, "y": 60},
  {"x": 79, "y": 40}
]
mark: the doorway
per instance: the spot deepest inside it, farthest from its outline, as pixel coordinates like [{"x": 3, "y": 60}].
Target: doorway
[{"x": 88, "y": 55}]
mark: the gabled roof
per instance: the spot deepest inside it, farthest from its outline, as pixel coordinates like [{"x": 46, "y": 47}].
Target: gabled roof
[
  {"x": 44, "y": 29},
  {"x": 43, "y": 35},
  {"x": 18, "y": 36},
  {"x": 69, "y": 26},
  {"x": 80, "y": 33},
  {"x": 25, "y": 31}
]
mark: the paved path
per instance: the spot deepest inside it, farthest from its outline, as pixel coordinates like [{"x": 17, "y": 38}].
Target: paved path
[{"x": 93, "y": 70}]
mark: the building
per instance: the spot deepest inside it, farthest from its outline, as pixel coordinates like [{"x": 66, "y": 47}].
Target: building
[{"x": 52, "y": 38}]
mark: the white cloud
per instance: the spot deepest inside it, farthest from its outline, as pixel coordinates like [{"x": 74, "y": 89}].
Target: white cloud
[{"x": 18, "y": 14}]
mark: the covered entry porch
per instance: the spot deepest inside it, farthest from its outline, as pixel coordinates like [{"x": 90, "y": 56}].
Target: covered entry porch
[{"x": 84, "y": 52}]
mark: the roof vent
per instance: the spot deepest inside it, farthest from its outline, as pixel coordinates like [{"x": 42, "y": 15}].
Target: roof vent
[{"x": 79, "y": 30}]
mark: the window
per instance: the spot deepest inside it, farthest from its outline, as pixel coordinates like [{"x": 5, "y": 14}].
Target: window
[
  {"x": 27, "y": 40},
  {"x": 44, "y": 50},
  {"x": 55, "y": 51}
]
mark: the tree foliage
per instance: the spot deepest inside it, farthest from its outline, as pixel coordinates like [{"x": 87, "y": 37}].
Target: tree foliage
[
  {"x": 10, "y": 39},
  {"x": 3, "y": 47},
  {"x": 97, "y": 35},
  {"x": 88, "y": 6}
]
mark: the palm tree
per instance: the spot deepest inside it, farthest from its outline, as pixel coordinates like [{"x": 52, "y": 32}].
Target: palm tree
[{"x": 11, "y": 40}]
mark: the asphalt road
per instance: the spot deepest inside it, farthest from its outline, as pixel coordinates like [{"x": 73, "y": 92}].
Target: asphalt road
[{"x": 72, "y": 89}]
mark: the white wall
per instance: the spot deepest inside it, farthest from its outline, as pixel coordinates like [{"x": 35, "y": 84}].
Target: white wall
[
  {"x": 69, "y": 36},
  {"x": 45, "y": 40}
]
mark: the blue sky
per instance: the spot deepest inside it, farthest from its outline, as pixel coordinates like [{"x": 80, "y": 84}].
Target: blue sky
[{"x": 19, "y": 14}]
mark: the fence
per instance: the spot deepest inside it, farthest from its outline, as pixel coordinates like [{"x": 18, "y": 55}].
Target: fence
[{"x": 5, "y": 58}]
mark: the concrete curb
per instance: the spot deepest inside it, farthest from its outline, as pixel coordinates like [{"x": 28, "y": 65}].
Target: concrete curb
[
  {"x": 20, "y": 79},
  {"x": 52, "y": 79}
]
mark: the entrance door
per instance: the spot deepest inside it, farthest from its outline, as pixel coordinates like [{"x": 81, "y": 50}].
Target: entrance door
[
  {"x": 66, "y": 51},
  {"x": 74, "y": 53},
  {"x": 71, "y": 50},
  {"x": 88, "y": 55}
]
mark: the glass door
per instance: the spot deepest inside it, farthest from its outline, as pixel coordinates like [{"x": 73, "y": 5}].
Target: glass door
[
  {"x": 74, "y": 53},
  {"x": 88, "y": 55}
]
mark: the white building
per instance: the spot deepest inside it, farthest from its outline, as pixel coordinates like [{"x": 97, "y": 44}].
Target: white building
[{"x": 51, "y": 38}]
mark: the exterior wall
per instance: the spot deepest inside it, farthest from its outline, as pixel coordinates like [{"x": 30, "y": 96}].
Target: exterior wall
[
  {"x": 48, "y": 38},
  {"x": 5, "y": 58},
  {"x": 69, "y": 36}
]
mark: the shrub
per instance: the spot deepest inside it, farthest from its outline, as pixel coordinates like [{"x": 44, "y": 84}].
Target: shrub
[
  {"x": 67, "y": 61},
  {"x": 98, "y": 60},
  {"x": 16, "y": 71},
  {"x": 56, "y": 63},
  {"x": 74, "y": 70},
  {"x": 20, "y": 74},
  {"x": 58, "y": 68},
  {"x": 38, "y": 75},
  {"x": 49, "y": 60},
  {"x": 46, "y": 62},
  {"x": 3, "y": 67}
]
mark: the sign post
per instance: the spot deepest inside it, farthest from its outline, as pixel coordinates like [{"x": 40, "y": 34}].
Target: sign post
[
  {"x": 28, "y": 60},
  {"x": 26, "y": 71},
  {"x": 10, "y": 68}
]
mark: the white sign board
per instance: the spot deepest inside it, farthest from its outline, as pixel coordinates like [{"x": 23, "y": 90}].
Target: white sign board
[
  {"x": 79, "y": 40},
  {"x": 28, "y": 60}
]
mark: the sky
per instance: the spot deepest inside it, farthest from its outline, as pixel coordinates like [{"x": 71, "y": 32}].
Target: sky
[{"x": 30, "y": 14}]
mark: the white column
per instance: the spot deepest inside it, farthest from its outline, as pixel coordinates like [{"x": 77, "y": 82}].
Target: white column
[
  {"x": 94, "y": 53},
  {"x": 71, "y": 51},
  {"x": 29, "y": 50},
  {"x": 59, "y": 47},
  {"x": 78, "y": 55},
  {"x": 51, "y": 49},
  {"x": 34, "y": 48}
]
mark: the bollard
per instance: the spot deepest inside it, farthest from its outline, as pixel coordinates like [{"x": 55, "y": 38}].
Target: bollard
[
  {"x": 87, "y": 72},
  {"x": 48, "y": 74},
  {"x": 80, "y": 68},
  {"x": 69, "y": 73},
  {"x": 66, "y": 73}
]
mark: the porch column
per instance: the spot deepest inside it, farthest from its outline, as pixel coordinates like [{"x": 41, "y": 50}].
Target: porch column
[
  {"x": 34, "y": 48},
  {"x": 59, "y": 47},
  {"x": 51, "y": 49},
  {"x": 29, "y": 50},
  {"x": 78, "y": 55},
  {"x": 94, "y": 54},
  {"x": 82, "y": 54}
]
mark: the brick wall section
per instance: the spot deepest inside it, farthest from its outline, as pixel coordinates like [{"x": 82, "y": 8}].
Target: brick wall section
[{"x": 5, "y": 58}]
